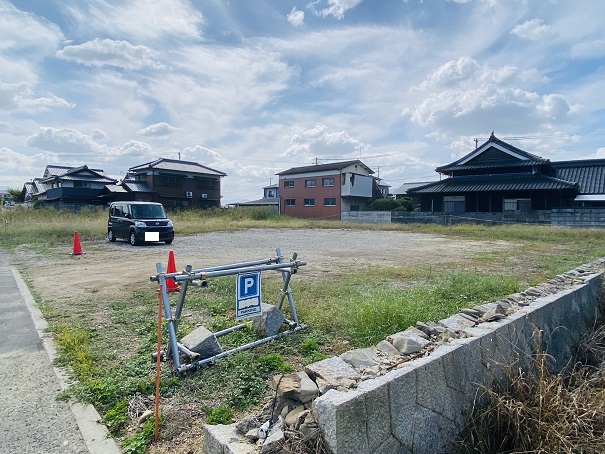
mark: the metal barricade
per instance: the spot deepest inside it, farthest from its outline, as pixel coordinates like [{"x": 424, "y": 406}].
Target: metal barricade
[{"x": 198, "y": 278}]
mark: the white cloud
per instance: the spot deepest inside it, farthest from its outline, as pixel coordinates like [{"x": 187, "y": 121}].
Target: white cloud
[
  {"x": 139, "y": 19},
  {"x": 533, "y": 30},
  {"x": 296, "y": 17},
  {"x": 319, "y": 141},
  {"x": 335, "y": 8},
  {"x": 157, "y": 129},
  {"x": 21, "y": 96},
  {"x": 62, "y": 140},
  {"x": 108, "y": 52},
  {"x": 26, "y": 32},
  {"x": 464, "y": 96}
]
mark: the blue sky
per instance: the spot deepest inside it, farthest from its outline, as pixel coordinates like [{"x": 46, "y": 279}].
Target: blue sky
[{"x": 252, "y": 88}]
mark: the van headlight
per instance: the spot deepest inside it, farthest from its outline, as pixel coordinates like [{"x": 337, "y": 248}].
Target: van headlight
[
  {"x": 139, "y": 224},
  {"x": 169, "y": 224}
]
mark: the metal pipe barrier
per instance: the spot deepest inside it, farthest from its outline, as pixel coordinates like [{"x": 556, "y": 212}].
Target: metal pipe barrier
[{"x": 199, "y": 278}]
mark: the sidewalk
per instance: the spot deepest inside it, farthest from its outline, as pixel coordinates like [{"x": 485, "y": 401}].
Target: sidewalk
[{"x": 31, "y": 419}]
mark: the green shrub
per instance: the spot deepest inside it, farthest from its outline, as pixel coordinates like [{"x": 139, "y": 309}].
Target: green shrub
[
  {"x": 219, "y": 415},
  {"x": 273, "y": 362}
]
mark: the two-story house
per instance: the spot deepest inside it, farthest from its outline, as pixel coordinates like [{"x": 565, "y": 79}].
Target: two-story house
[
  {"x": 62, "y": 185},
  {"x": 324, "y": 191},
  {"x": 498, "y": 177},
  {"x": 177, "y": 183}
]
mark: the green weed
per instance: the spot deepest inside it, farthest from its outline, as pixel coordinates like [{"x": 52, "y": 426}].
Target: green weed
[{"x": 219, "y": 415}]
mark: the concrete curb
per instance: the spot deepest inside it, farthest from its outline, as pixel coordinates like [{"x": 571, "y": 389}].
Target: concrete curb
[{"x": 96, "y": 436}]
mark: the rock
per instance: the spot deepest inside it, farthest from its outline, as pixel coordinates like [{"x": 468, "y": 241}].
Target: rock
[
  {"x": 269, "y": 322},
  {"x": 361, "y": 357},
  {"x": 203, "y": 342},
  {"x": 456, "y": 322},
  {"x": 430, "y": 328},
  {"x": 145, "y": 416},
  {"x": 297, "y": 386},
  {"x": 407, "y": 342},
  {"x": 387, "y": 348},
  {"x": 416, "y": 331},
  {"x": 292, "y": 418},
  {"x": 252, "y": 435},
  {"x": 331, "y": 373},
  {"x": 275, "y": 439}
]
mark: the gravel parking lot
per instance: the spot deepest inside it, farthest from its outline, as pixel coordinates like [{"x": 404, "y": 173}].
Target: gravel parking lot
[{"x": 106, "y": 270}]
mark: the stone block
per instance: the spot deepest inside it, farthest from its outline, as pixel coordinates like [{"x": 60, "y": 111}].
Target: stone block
[
  {"x": 269, "y": 322},
  {"x": 221, "y": 439},
  {"x": 408, "y": 342},
  {"x": 361, "y": 358},
  {"x": 203, "y": 342},
  {"x": 332, "y": 373},
  {"x": 387, "y": 348},
  {"x": 296, "y": 386}
]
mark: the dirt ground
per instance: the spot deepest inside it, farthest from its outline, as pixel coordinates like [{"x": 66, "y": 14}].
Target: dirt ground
[{"x": 106, "y": 270}]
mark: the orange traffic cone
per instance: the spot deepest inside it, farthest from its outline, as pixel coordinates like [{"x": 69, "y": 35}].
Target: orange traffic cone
[
  {"x": 171, "y": 284},
  {"x": 77, "y": 250}
]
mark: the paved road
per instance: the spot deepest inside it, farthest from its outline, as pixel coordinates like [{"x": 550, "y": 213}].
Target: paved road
[{"x": 31, "y": 419}]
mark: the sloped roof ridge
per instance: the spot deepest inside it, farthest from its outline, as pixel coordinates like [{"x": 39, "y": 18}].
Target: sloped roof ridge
[{"x": 338, "y": 165}]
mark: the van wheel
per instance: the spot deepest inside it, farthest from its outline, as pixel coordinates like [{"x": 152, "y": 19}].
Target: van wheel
[
  {"x": 133, "y": 238},
  {"x": 168, "y": 241},
  {"x": 110, "y": 236}
]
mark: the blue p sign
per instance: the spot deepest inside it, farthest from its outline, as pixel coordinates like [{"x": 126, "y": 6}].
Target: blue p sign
[{"x": 248, "y": 295}]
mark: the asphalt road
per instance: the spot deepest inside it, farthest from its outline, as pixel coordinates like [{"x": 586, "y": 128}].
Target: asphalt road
[{"x": 32, "y": 420}]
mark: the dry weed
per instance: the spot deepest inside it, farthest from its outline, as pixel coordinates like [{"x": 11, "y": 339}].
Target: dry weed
[{"x": 536, "y": 411}]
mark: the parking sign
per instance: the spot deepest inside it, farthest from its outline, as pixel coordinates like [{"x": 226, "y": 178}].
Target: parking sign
[{"x": 248, "y": 295}]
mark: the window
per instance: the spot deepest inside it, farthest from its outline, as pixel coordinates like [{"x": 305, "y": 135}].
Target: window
[
  {"x": 516, "y": 205},
  {"x": 173, "y": 181},
  {"x": 327, "y": 181},
  {"x": 290, "y": 202},
  {"x": 453, "y": 204},
  {"x": 354, "y": 207},
  {"x": 82, "y": 184},
  {"x": 330, "y": 201},
  {"x": 309, "y": 183},
  {"x": 206, "y": 183},
  {"x": 309, "y": 202},
  {"x": 270, "y": 194},
  {"x": 288, "y": 184}
]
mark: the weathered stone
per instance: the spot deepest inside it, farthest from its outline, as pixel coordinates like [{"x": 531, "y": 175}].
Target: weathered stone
[
  {"x": 415, "y": 331},
  {"x": 220, "y": 439},
  {"x": 275, "y": 440},
  {"x": 387, "y": 348},
  {"x": 361, "y": 357},
  {"x": 269, "y": 322},
  {"x": 203, "y": 342},
  {"x": 408, "y": 342},
  {"x": 293, "y": 416},
  {"x": 297, "y": 386},
  {"x": 472, "y": 312},
  {"x": 430, "y": 328},
  {"x": 456, "y": 322},
  {"x": 332, "y": 373},
  {"x": 252, "y": 434}
]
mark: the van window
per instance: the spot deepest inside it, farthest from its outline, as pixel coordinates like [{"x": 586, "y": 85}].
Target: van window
[{"x": 148, "y": 212}]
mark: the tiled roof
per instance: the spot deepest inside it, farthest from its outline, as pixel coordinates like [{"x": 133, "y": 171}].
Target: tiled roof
[
  {"x": 265, "y": 201},
  {"x": 321, "y": 167},
  {"x": 177, "y": 166},
  {"x": 589, "y": 174},
  {"x": 137, "y": 186},
  {"x": 523, "y": 158},
  {"x": 528, "y": 182}
]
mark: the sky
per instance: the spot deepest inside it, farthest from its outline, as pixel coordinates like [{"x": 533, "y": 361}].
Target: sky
[{"x": 252, "y": 88}]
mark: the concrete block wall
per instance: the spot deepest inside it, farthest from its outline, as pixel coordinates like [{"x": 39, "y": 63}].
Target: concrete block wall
[{"x": 420, "y": 407}]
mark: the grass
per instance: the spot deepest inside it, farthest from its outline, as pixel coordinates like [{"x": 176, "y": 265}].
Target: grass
[{"x": 107, "y": 344}]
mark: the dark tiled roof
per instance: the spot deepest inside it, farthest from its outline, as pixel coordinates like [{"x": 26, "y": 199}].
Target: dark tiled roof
[
  {"x": 491, "y": 165},
  {"x": 589, "y": 174},
  {"x": 524, "y": 158},
  {"x": 528, "y": 182},
  {"x": 321, "y": 167},
  {"x": 177, "y": 166},
  {"x": 115, "y": 188}
]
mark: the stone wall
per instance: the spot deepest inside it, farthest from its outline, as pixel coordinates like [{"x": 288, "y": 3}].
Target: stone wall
[
  {"x": 579, "y": 217},
  {"x": 421, "y": 406}
]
